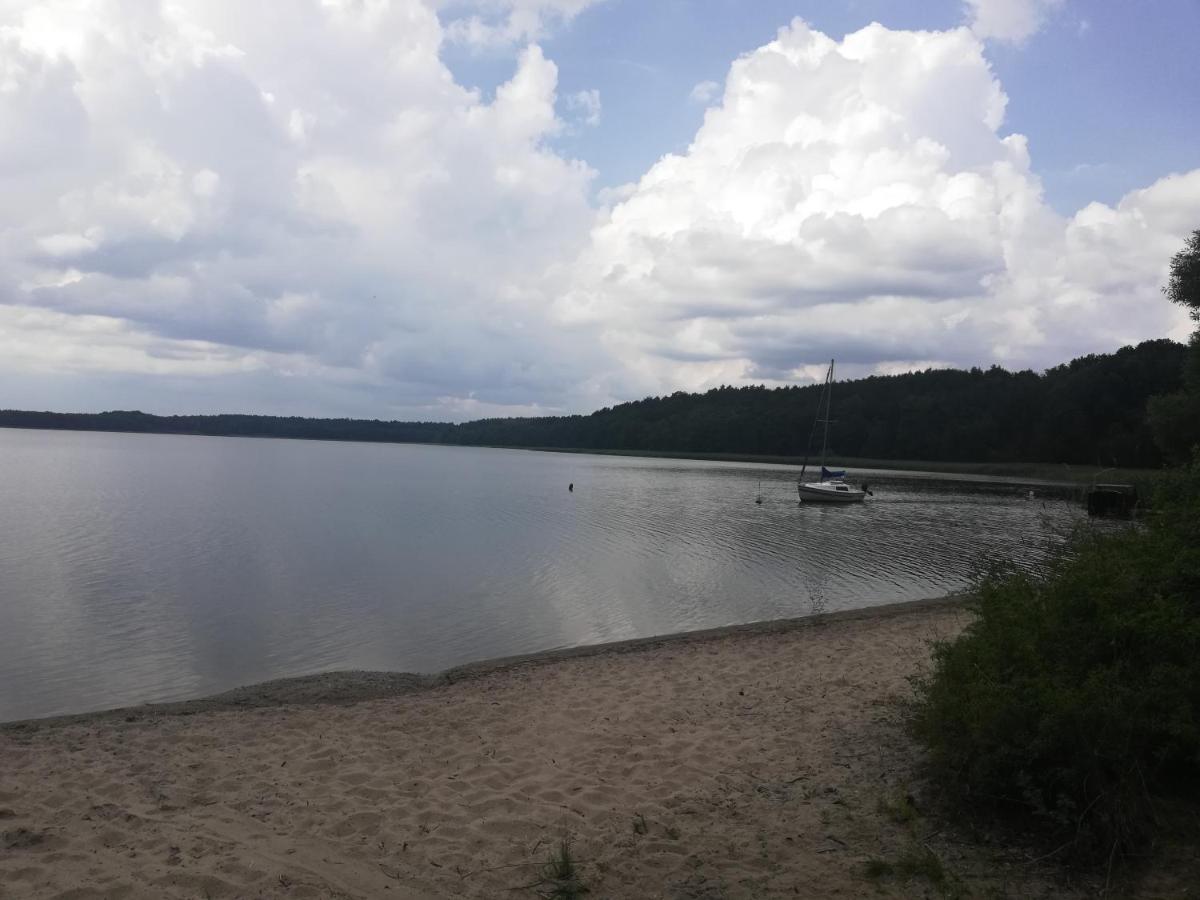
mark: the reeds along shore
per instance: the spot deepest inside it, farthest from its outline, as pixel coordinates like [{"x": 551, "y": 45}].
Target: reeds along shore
[{"x": 754, "y": 762}]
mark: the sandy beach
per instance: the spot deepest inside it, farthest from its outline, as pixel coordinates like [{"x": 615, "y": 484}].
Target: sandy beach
[{"x": 752, "y": 762}]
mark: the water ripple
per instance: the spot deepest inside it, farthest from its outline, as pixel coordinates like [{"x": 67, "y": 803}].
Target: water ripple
[{"x": 149, "y": 567}]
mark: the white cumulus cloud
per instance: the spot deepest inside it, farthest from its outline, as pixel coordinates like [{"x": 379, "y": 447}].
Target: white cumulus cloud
[
  {"x": 859, "y": 199},
  {"x": 313, "y": 193},
  {"x": 705, "y": 91},
  {"x": 215, "y": 206},
  {"x": 586, "y": 105},
  {"x": 1009, "y": 20}
]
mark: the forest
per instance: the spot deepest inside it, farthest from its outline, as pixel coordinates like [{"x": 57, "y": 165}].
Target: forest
[{"x": 1091, "y": 411}]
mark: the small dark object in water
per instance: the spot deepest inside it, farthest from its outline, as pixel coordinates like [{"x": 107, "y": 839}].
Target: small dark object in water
[
  {"x": 1119, "y": 500},
  {"x": 571, "y": 487},
  {"x": 867, "y": 490}
]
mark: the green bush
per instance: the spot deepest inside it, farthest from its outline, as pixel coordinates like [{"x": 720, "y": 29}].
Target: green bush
[{"x": 1075, "y": 694}]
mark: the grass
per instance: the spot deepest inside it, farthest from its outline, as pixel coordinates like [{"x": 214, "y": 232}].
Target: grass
[
  {"x": 559, "y": 876},
  {"x": 920, "y": 862},
  {"x": 916, "y": 861},
  {"x": 898, "y": 809}
]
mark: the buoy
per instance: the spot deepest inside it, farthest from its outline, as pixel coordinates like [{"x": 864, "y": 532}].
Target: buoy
[{"x": 571, "y": 486}]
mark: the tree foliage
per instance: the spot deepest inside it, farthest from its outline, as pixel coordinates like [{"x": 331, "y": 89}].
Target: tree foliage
[
  {"x": 1184, "y": 284},
  {"x": 1075, "y": 695},
  {"x": 1091, "y": 411},
  {"x": 1174, "y": 417}
]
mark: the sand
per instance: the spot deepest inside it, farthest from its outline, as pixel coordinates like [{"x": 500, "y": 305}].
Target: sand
[{"x": 756, "y": 762}]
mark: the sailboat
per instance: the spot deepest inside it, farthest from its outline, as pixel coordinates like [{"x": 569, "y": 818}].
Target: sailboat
[{"x": 832, "y": 488}]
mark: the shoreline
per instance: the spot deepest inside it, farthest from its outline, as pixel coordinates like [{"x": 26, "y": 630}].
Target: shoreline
[
  {"x": 760, "y": 760},
  {"x": 351, "y": 686},
  {"x": 1038, "y": 474}
]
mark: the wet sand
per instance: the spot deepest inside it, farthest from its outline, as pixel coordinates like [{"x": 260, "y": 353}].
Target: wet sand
[{"x": 758, "y": 761}]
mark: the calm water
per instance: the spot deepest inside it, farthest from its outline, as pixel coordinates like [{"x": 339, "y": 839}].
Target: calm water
[{"x": 140, "y": 568}]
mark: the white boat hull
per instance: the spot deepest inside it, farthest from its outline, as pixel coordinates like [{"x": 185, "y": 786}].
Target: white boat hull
[{"x": 829, "y": 492}]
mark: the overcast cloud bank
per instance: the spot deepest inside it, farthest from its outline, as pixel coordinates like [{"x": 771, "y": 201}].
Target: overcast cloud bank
[{"x": 210, "y": 206}]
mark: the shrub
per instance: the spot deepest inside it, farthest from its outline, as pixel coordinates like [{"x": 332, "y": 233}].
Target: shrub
[{"x": 1075, "y": 694}]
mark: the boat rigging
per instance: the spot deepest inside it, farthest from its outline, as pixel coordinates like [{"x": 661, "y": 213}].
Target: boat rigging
[{"x": 832, "y": 486}]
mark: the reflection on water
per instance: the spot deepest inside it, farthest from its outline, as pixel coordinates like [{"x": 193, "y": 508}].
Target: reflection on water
[{"x": 141, "y": 568}]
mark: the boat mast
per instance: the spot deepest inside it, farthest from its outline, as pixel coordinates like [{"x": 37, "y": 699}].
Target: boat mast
[
  {"x": 828, "y": 409},
  {"x": 817, "y": 420}
]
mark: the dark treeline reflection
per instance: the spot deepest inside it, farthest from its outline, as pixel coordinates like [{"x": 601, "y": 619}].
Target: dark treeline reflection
[{"x": 1091, "y": 410}]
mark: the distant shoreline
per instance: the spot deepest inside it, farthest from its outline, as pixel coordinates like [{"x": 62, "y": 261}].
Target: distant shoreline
[
  {"x": 1050, "y": 474},
  {"x": 1046, "y": 474},
  {"x": 356, "y": 686}
]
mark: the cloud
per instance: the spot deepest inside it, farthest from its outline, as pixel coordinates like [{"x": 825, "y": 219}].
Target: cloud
[
  {"x": 216, "y": 175},
  {"x": 587, "y": 105},
  {"x": 209, "y": 205},
  {"x": 704, "y": 92},
  {"x": 1013, "y": 21},
  {"x": 858, "y": 199},
  {"x": 499, "y": 23}
]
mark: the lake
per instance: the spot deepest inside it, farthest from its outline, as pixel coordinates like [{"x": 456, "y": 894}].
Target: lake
[{"x": 138, "y": 568}]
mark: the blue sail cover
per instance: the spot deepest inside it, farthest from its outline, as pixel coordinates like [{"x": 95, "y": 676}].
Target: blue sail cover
[{"x": 832, "y": 473}]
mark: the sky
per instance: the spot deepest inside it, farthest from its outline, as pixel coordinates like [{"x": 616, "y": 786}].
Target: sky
[{"x": 452, "y": 209}]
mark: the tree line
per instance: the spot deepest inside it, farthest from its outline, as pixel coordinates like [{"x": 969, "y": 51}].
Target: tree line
[{"x": 1090, "y": 411}]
